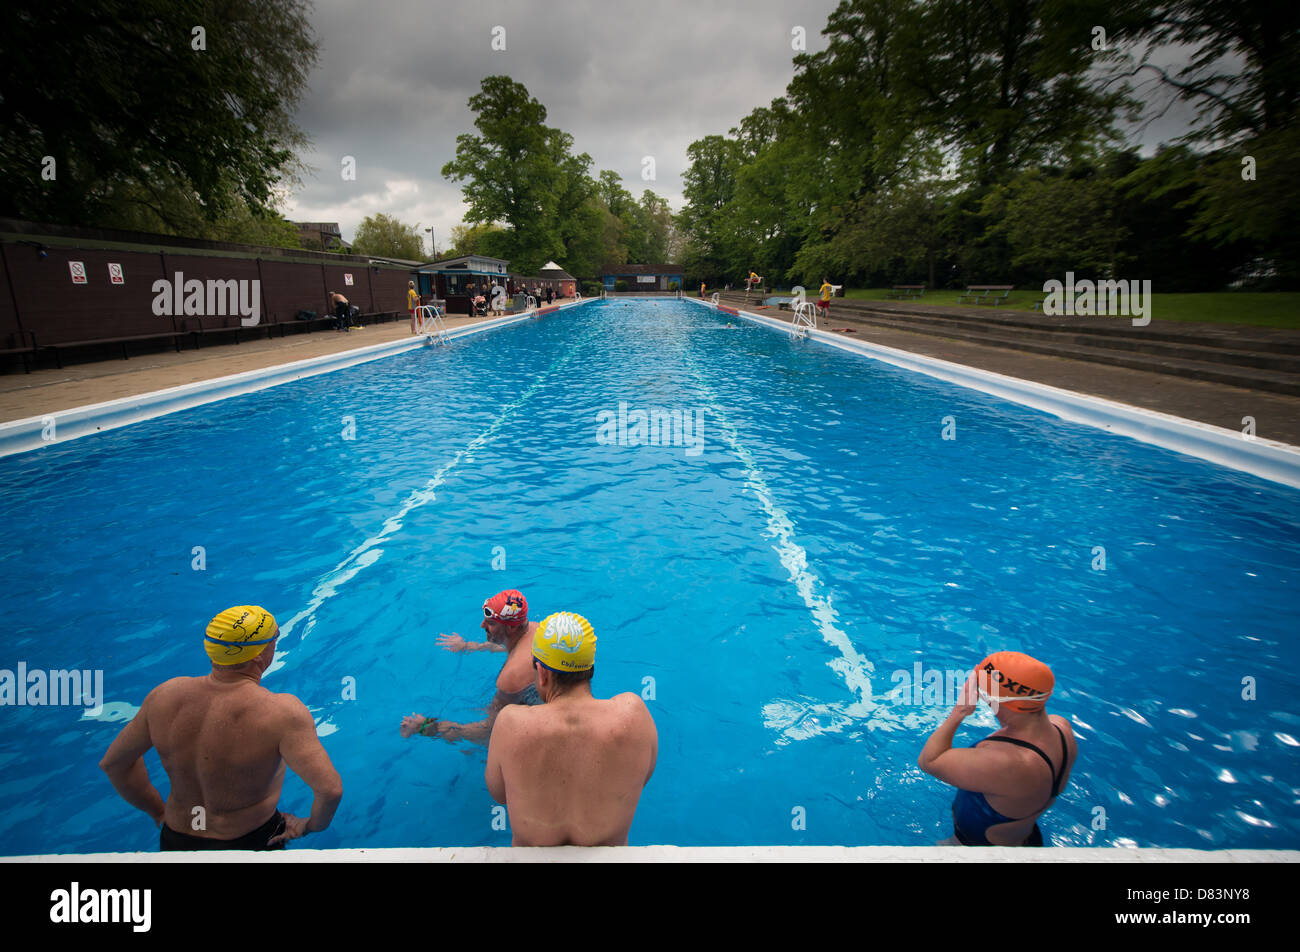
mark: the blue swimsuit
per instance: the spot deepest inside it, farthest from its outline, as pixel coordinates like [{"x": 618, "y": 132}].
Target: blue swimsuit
[{"x": 972, "y": 816}]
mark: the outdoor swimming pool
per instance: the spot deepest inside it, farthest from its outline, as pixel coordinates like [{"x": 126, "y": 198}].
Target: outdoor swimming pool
[{"x": 771, "y": 586}]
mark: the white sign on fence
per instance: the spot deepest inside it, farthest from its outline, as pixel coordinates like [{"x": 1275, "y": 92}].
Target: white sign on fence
[
  {"x": 115, "y": 275},
  {"x": 347, "y": 279},
  {"x": 646, "y": 279},
  {"x": 78, "y": 269}
]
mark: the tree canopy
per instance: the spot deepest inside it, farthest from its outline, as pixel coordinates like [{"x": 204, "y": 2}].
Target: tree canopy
[{"x": 184, "y": 131}]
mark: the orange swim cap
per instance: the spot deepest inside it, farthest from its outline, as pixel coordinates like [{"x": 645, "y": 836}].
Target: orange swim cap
[{"x": 1016, "y": 680}]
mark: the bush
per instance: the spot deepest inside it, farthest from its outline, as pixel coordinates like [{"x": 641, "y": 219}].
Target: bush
[
  {"x": 620, "y": 285},
  {"x": 592, "y": 288}
]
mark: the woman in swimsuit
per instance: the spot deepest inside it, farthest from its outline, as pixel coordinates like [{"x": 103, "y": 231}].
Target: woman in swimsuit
[{"x": 1008, "y": 779}]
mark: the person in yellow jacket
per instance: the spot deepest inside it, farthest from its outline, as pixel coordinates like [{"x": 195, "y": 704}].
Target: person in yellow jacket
[{"x": 412, "y": 302}]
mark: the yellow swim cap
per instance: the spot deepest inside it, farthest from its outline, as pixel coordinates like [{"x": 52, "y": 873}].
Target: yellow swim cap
[
  {"x": 239, "y": 634},
  {"x": 565, "y": 642}
]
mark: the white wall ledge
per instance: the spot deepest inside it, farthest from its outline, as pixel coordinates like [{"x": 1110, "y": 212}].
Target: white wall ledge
[
  {"x": 690, "y": 854},
  {"x": 1267, "y": 459}
]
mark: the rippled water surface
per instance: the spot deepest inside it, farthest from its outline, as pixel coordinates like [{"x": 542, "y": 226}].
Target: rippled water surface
[{"x": 770, "y": 587}]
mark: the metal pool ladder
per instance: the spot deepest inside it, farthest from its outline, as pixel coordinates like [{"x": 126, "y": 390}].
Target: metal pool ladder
[
  {"x": 804, "y": 320},
  {"x": 714, "y": 299},
  {"x": 428, "y": 321}
]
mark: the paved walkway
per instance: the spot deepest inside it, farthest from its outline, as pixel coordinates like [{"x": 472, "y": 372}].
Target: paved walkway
[
  {"x": 51, "y": 391},
  {"x": 1277, "y": 416}
]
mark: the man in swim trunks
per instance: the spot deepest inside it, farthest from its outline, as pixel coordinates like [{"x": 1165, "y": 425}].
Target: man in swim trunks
[
  {"x": 505, "y": 619},
  {"x": 225, "y": 741},
  {"x": 571, "y": 772},
  {"x": 1007, "y": 780}
]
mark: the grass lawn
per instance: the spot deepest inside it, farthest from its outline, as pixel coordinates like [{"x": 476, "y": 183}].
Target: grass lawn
[{"x": 1264, "y": 309}]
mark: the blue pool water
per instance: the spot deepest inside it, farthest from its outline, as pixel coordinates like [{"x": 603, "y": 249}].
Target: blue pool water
[{"x": 768, "y": 587}]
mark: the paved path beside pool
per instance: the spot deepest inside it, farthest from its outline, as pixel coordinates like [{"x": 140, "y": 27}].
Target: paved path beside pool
[
  {"x": 1277, "y": 416},
  {"x": 51, "y": 391}
]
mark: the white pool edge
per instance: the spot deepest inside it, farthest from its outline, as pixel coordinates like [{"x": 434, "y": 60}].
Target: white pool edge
[
  {"x": 1268, "y": 459},
  {"x": 691, "y": 854},
  {"x": 22, "y": 436}
]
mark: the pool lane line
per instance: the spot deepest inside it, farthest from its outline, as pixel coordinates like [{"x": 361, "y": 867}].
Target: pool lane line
[
  {"x": 1266, "y": 459},
  {"x": 799, "y": 720},
  {"x": 368, "y": 553},
  {"x": 360, "y": 557}
]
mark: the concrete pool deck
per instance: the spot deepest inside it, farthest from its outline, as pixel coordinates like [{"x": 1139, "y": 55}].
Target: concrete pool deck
[
  {"x": 54, "y": 391},
  {"x": 1277, "y": 416}
]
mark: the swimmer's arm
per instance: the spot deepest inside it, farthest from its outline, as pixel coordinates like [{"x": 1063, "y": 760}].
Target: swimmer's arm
[
  {"x": 967, "y": 768},
  {"x": 304, "y": 754},
  {"x": 654, "y": 739},
  {"x": 477, "y": 733},
  {"x": 493, "y": 775},
  {"x": 124, "y": 764}
]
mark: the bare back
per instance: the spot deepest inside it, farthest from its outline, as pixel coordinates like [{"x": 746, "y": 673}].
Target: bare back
[
  {"x": 220, "y": 745},
  {"x": 1036, "y": 777},
  {"x": 573, "y": 770}
]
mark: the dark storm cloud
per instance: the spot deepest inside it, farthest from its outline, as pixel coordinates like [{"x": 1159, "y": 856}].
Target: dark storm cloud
[{"x": 626, "y": 79}]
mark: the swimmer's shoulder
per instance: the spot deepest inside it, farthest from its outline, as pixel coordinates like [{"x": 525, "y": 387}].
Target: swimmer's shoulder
[{"x": 632, "y": 710}]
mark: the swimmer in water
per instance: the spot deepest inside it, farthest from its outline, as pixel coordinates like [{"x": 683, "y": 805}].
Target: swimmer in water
[
  {"x": 571, "y": 771},
  {"x": 224, "y": 742},
  {"x": 505, "y": 619},
  {"x": 1007, "y": 780}
]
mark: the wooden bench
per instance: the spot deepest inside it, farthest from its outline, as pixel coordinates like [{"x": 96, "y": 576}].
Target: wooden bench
[
  {"x": 987, "y": 293},
  {"x": 15, "y": 345},
  {"x": 173, "y": 335},
  {"x": 902, "y": 291},
  {"x": 1038, "y": 305}
]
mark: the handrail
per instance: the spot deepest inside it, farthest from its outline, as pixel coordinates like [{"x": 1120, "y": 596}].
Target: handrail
[
  {"x": 428, "y": 322},
  {"x": 803, "y": 320},
  {"x": 714, "y": 299}
]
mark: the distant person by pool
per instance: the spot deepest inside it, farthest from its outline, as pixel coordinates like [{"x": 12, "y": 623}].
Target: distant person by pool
[
  {"x": 224, "y": 741},
  {"x": 571, "y": 771},
  {"x": 505, "y": 619},
  {"x": 412, "y": 302},
  {"x": 824, "y": 297},
  {"x": 1007, "y": 780}
]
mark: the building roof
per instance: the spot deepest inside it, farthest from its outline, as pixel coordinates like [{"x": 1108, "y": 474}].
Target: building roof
[
  {"x": 553, "y": 270},
  {"x": 617, "y": 269},
  {"x": 467, "y": 264}
]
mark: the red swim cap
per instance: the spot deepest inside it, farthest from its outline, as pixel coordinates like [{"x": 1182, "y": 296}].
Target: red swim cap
[{"x": 508, "y": 607}]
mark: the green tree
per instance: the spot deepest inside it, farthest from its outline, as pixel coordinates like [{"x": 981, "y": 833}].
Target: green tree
[
  {"x": 475, "y": 239},
  {"x": 1054, "y": 223},
  {"x": 384, "y": 235},
  {"x": 513, "y": 170},
  {"x": 116, "y": 94}
]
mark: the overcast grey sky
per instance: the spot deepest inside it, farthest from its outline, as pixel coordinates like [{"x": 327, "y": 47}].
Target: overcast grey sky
[{"x": 625, "y": 78}]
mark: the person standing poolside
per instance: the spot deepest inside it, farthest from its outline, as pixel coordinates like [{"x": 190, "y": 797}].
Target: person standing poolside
[
  {"x": 412, "y": 301},
  {"x": 505, "y": 619},
  {"x": 1007, "y": 780},
  {"x": 571, "y": 772},
  {"x": 224, "y": 741}
]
